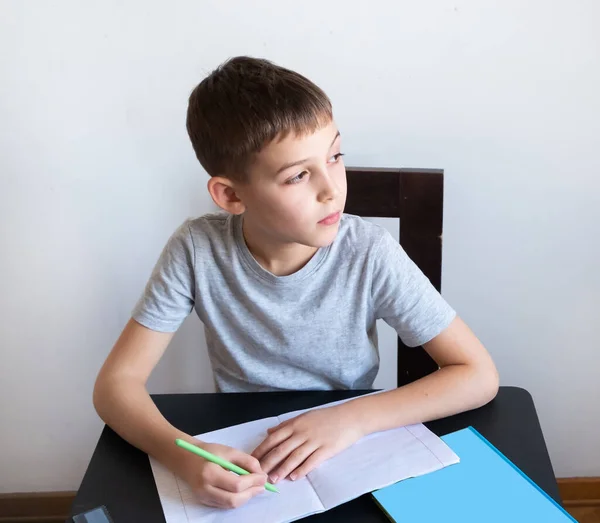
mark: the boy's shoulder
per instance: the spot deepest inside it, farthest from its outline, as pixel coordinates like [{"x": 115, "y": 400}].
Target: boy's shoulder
[
  {"x": 209, "y": 222},
  {"x": 200, "y": 236},
  {"x": 204, "y": 227}
]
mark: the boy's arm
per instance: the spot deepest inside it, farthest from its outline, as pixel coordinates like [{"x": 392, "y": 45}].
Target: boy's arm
[
  {"x": 467, "y": 379},
  {"x": 122, "y": 401},
  {"x": 120, "y": 395}
]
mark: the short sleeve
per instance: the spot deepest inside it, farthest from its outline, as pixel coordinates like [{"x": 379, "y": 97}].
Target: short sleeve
[
  {"x": 405, "y": 298},
  {"x": 168, "y": 297}
]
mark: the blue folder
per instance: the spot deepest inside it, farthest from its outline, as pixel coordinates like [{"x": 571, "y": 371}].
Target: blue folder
[{"x": 484, "y": 487}]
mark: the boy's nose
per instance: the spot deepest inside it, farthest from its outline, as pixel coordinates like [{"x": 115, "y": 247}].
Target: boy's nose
[{"x": 328, "y": 189}]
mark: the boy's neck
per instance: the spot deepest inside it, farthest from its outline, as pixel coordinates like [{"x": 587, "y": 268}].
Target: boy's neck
[{"x": 278, "y": 259}]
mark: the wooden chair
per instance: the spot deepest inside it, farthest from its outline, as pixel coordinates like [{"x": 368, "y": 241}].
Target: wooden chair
[{"x": 416, "y": 197}]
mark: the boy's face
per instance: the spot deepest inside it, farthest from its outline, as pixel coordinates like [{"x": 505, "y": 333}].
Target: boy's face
[{"x": 296, "y": 190}]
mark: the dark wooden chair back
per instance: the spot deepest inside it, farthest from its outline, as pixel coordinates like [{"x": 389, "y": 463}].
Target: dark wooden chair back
[{"x": 416, "y": 197}]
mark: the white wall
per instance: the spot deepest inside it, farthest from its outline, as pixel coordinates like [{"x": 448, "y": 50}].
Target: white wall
[{"x": 96, "y": 171}]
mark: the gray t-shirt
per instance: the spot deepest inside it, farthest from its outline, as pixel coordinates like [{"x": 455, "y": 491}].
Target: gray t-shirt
[{"x": 314, "y": 329}]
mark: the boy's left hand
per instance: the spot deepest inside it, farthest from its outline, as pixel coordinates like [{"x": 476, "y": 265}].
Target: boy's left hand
[{"x": 297, "y": 446}]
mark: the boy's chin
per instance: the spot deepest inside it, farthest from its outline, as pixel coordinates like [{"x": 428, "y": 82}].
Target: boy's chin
[{"x": 322, "y": 240}]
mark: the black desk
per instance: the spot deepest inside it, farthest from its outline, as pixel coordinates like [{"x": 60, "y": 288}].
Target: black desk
[{"x": 119, "y": 476}]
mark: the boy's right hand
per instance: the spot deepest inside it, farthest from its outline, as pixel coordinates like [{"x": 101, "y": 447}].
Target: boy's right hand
[{"x": 215, "y": 486}]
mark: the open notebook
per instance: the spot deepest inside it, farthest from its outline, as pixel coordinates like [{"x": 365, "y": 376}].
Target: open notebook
[{"x": 373, "y": 462}]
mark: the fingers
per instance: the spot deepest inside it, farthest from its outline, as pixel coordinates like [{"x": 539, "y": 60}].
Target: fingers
[
  {"x": 216, "y": 497},
  {"x": 280, "y": 426},
  {"x": 233, "y": 483},
  {"x": 279, "y": 454},
  {"x": 224, "y": 489},
  {"x": 274, "y": 439},
  {"x": 311, "y": 463},
  {"x": 293, "y": 461},
  {"x": 246, "y": 461}
]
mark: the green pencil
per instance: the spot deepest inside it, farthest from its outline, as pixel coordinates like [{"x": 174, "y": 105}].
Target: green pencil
[{"x": 219, "y": 461}]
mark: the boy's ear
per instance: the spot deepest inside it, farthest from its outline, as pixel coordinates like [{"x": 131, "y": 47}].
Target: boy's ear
[{"x": 223, "y": 192}]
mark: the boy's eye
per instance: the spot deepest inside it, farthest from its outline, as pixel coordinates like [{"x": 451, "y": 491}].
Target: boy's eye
[
  {"x": 335, "y": 157},
  {"x": 297, "y": 179}
]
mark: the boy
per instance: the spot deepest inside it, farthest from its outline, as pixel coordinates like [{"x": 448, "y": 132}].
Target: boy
[{"x": 288, "y": 288}]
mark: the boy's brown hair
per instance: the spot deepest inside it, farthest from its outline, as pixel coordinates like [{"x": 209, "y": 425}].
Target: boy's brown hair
[{"x": 245, "y": 104}]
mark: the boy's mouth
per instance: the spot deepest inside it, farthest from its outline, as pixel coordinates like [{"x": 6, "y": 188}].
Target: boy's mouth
[{"x": 331, "y": 219}]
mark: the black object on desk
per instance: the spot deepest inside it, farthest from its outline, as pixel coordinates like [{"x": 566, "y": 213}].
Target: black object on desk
[{"x": 119, "y": 476}]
